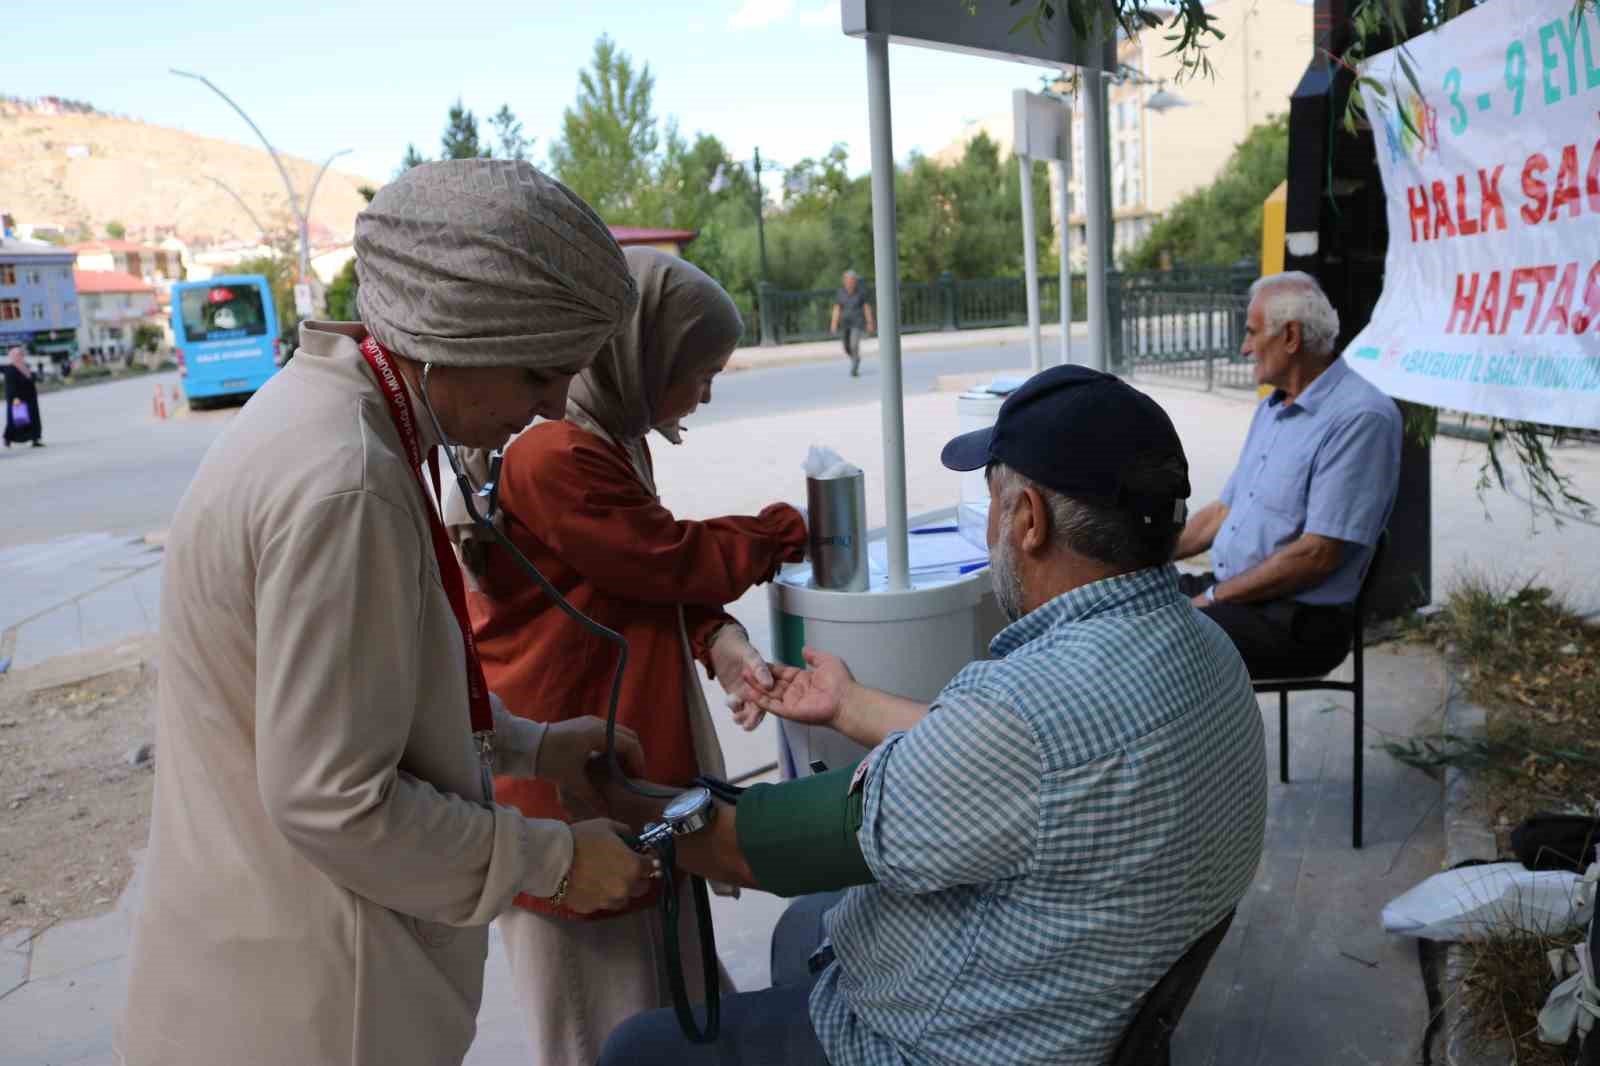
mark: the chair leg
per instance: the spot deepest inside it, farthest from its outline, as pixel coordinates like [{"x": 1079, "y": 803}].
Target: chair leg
[
  {"x": 1283, "y": 736},
  {"x": 1357, "y": 747}
]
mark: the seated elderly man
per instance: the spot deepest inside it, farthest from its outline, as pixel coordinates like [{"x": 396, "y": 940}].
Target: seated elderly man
[
  {"x": 1048, "y": 837},
  {"x": 1295, "y": 528}
]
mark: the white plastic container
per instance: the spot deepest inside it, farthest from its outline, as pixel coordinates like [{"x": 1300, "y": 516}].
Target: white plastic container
[{"x": 978, "y": 409}]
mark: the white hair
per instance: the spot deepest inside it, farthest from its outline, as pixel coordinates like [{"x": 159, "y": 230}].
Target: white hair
[
  {"x": 1295, "y": 296},
  {"x": 1104, "y": 533}
]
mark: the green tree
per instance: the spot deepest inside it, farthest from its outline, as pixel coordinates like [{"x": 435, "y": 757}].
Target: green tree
[
  {"x": 1220, "y": 224},
  {"x": 510, "y": 142},
  {"x": 280, "y": 271},
  {"x": 967, "y": 219},
  {"x": 341, "y": 295},
  {"x": 367, "y": 192},
  {"x": 116, "y": 230},
  {"x": 607, "y": 149},
  {"x": 460, "y": 140},
  {"x": 412, "y": 158},
  {"x": 814, "y": 188},
  {"x": 146, "y": 337}
]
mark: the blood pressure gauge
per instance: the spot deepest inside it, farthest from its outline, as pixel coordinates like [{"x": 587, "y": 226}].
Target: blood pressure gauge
[{"x": 689, "y": 812}]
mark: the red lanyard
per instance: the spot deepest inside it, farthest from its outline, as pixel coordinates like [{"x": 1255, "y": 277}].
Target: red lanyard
[{"x": 394, "y": 391}]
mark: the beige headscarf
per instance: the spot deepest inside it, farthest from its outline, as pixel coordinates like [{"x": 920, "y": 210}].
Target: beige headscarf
[
  {"x": 18, "y": 358},
  {"x": 488, "y": 262},
  {"x": 685, "y": 324}
]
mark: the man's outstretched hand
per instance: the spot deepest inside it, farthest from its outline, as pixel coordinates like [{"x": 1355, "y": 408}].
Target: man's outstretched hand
[{"x": 816, "y": 696}]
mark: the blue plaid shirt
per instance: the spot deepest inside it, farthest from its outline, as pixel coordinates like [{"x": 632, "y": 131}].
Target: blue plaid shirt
[{"x": 1066, "y": 820}]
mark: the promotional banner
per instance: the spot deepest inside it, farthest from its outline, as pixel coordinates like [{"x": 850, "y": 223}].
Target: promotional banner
[{"x": 1491, "y": 295}]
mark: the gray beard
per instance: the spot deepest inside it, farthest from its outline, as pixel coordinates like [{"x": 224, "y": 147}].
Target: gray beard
[{"x": 1003, "y": 575}]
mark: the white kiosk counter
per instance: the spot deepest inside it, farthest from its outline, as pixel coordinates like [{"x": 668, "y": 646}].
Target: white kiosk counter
[{"x": 909, "y": 642}]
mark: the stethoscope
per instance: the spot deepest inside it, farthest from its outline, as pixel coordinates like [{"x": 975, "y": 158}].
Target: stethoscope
[{"x": 488, "y": 494}]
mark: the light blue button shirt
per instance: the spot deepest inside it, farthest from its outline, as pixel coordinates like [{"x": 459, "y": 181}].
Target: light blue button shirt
[{"x": 1327, "y": 463}]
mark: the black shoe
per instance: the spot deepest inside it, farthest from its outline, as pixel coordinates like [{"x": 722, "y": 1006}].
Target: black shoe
[{"x": 38, "y": 444}]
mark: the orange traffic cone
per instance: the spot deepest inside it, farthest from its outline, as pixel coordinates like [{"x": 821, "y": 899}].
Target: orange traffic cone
[{"x": 160, "y": 407}]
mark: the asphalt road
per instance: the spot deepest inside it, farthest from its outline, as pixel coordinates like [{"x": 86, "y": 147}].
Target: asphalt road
[{"x": 109, "y": 466}]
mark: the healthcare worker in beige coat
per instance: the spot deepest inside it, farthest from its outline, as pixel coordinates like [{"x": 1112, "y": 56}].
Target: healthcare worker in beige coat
[{"x": 323, "y": 864}]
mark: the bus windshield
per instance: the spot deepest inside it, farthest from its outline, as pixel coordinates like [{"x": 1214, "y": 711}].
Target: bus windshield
[{"x": 221, "y": 312}]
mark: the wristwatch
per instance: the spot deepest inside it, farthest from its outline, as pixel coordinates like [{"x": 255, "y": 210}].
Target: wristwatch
[{"x": 689, "y": 812}]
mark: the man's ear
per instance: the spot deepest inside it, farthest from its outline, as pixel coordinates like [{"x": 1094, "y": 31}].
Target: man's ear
[
  {"x": 1031, "y": 521},
  {"x": 1294, "y": 338}
]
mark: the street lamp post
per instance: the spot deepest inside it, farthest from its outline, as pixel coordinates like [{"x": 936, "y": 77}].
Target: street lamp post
[
  {"x": 761, "y": 230},
  {"x": 301, "y": 212},
  {"x": 225, "y": 187},
  {"x": 719, "y": 181}
]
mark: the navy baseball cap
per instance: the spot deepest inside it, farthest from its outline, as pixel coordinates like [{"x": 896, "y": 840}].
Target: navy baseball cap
[{"x": 1086, "y": 435}]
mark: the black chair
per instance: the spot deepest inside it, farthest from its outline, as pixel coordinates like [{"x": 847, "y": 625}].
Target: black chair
[
  {"x": 1148, "y": 1039},
  {"x": 1356, "y": 687}
]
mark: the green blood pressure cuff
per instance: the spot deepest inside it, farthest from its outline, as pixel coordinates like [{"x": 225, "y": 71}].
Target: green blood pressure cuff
[{"x": 799, "y": 837}]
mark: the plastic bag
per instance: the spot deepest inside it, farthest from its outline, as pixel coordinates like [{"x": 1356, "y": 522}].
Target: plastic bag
[
  {"x": 823, "y": 464},
  {"x": 1574, "y": 1004},
  {"x": 1472, "y": 902},
  {"x": 19, "y": 415}
]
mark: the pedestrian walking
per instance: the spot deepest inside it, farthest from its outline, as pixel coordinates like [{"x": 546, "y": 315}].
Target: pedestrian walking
[
  {"x": 22, "y": 401},
  {"x": 853, "y": 312}
]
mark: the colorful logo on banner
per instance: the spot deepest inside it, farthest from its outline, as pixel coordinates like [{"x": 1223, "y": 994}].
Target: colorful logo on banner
[{"x": 1491, "y": 298}]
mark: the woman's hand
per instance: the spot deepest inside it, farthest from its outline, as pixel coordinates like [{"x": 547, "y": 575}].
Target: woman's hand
[
  {"x": 605, "y": 872},
  {"x": 564, "y": 758},
  {"x": 743, "y": 674}
]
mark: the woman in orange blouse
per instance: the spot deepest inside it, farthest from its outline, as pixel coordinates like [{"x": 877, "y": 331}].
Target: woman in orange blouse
[{"x": 579, "y": 499}]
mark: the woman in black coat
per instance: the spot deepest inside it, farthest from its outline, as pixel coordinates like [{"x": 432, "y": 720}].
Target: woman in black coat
[{"x": 22, "y": 402}]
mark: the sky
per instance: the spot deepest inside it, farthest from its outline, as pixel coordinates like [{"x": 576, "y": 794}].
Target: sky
[{"x": 371, "y": 77}]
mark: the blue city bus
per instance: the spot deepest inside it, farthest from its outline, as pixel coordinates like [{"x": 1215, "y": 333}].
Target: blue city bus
[{"x": 225, "y": 330}]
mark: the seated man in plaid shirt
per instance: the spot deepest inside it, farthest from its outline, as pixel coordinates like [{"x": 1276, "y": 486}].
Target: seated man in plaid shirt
[{"x": 1051, "y": 834}]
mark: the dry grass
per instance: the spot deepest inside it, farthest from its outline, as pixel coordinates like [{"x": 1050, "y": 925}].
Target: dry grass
[
  {"x": 1534, "y": 667},
  {"x": 1507, "y": 984}
]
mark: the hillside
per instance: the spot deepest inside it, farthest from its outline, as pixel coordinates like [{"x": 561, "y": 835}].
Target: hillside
[{"x": 86, "y": 170}]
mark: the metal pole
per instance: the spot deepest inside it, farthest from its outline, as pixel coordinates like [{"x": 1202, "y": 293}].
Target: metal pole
[
  {"x": 294, "y": 201},
  {"x": 312, "y": 195},
  {"x": 225, "y": 187},
  {"x": 1065, "y": 243},
  {"x": 1094, "y": 188},
  {"x": 886, "y": 256},
  {"x": 1030, "y": 263},
  {"x": 761, "y": 232}
]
